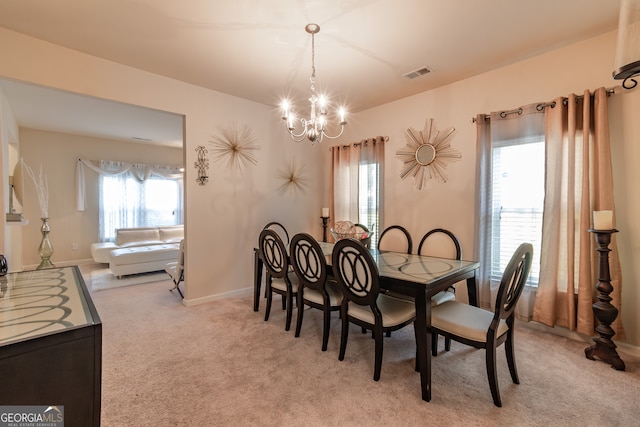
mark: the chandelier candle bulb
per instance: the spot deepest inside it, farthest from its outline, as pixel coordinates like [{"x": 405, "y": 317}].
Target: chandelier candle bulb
[{"x": 603, "y": 220}]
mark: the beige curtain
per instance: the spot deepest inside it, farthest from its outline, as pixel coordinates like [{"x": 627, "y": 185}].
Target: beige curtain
[
  {"x": 578, "y": 181},
  {"x": 345, "y": 170}
]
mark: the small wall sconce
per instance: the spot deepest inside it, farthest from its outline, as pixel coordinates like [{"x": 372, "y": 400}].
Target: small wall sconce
[
  {"x": 627, "y": 64},
  {"x": 202, "y": 164}
]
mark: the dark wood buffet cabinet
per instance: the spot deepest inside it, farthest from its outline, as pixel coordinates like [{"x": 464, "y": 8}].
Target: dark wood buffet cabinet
[{"x": 51, "y": 344}]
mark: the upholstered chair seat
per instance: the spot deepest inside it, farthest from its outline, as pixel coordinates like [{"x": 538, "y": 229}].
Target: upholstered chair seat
[{"x": 466, "y": 321}]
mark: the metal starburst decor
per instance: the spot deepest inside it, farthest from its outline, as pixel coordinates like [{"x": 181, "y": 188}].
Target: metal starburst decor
[
  {"x": 235, "y": 146},
  {"x": 426, "y": 154},
  {"x": 292, "y": 178}
]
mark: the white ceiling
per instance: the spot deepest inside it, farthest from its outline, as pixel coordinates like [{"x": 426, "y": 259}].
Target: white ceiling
[{"x": 258, "y": 49}]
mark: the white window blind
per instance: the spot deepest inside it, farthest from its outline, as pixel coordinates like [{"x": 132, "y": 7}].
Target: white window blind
[
  {"x": 369, "y": 192},
  {"x": 517, "y": 202}
]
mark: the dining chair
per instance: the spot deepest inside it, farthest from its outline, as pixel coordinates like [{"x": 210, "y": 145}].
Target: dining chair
[
  {"x": 314, "y": 287},
  {"x": 284, "y": 235},
  {"x": 395, "y": 238},
  {"x": 357, "y": 274},
  {"x": 444, "y": 244},
  {"x": 481, "y": 328},
  {"x": 175, "y": 269},
  {"x": 280, "y": 278},
  {"x": 280, "y": 229}
]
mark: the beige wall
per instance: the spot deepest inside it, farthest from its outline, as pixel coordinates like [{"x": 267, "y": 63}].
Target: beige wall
[
  {"x": 223, "y": 218},
  {"x": 58, "y": 154},
  {"x": 585, "y": 65}
]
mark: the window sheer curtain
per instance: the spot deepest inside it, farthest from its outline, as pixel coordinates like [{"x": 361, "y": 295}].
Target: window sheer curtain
[
  {"x": 526, "y": 123},
  {"x": 579, "y": 180},
  {"x": 345, "y": 171}
]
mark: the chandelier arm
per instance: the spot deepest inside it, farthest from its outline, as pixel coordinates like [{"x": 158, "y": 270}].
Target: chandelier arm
[{"x": 323, "y": 133}]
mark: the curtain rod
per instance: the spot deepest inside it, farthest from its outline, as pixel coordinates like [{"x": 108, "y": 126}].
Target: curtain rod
[
  {"x": 610, "y": 91},
  {"x": 355, "y": 144}
]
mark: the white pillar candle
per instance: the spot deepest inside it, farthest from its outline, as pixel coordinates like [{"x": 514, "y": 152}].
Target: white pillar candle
[
  {"x": 603, "y": 220},
  {"x": 325, "y": 212}
]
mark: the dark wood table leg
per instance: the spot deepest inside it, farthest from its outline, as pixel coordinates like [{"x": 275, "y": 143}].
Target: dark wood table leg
[
  {"x": 423, "y": 343},
  {"x": 472, "y": 290},
  {"x": 257, "y": 279}
]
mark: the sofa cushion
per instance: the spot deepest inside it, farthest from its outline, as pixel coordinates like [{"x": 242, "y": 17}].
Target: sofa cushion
[
  {"x": 171, "y": 234},
  {"x": 136, "y": 243},
  {"x": 127, "y": 235}
]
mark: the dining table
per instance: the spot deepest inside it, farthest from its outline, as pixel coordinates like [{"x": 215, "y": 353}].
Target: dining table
[{"x": 417, "y": 276}]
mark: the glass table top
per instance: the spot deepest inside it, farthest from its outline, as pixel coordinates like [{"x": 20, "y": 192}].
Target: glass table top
[{"x": 39, "y": 302}]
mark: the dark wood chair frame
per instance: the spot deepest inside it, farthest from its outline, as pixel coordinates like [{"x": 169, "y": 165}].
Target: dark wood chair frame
[
  {"x": 362, "y": 290},
  {"x": 403, "y": 230},
  {"x": 276, "y": 261},
  {"x": 513, "y": 281},
  {"x": 273, "y": 225},
  {"x": 456, "y": 243},
  {"x": 310, "y": 266}
]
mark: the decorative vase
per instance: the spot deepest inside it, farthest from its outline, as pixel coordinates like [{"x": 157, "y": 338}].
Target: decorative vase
[{"x": 46, "y": 248}]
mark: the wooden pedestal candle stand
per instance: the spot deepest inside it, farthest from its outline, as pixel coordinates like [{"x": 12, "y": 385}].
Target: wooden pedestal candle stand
[
  {"x": 604, "y": 348},
  {"x": 325, "y": 221}
]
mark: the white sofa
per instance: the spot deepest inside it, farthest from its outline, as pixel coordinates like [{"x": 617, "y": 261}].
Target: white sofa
[{"x": 139, "y": 250}]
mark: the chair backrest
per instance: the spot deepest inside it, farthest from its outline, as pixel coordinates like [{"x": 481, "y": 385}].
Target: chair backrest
[
  {"x": 279, "y": 228},
  {"x": 513, "y": 281},
  {"x": 442, "y": 243},
  {"x": 356, "y": 272},
  {"x": 308, "y": 261},
  {"x": 395, "y": 238},
  {"x": 273, "y": 253}
]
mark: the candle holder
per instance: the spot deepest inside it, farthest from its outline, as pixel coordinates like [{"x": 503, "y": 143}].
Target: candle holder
[
  {"x": 325, "y": 221},
  {"x": 604, "y": 348}
]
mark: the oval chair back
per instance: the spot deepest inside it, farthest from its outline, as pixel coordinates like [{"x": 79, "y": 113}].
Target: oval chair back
[
  {"x": 395, "y": 238},
  {"x": 308, "y": 261},
  {"x": 273, "y": 253},
  {"x": 435, "y": 236},
  {"x": 356, "y": 272},
  {"x": 512, "y": 283},
  {"x": 282, "y": 232}
]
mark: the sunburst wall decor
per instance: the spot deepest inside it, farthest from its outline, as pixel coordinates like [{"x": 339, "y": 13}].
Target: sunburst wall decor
[
  {"x": 292, "y": 179},
  {"x": 235, "y": 146},
  {"x": 426, "y": 154}
]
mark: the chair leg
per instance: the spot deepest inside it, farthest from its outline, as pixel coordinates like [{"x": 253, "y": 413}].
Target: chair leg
[
  {"x": 345, "y": 334},
  {"x": 269, "y": 299},
  {"x": 447, "y": 344},
  {"x": 416, "y": 335},
  {"x": 492, "y": 374},
  {"x": 379, "y": 337},
  {"x": 388, "y": 333},
  {"x": 284, "y": 302},
  {"x": 511, "y": 360},
  {"x": 325, "y": 327},
  {"x": 289, "y": 311},
  {"x": 300, "y": 314},
  {"x": 434, "y": 344}
]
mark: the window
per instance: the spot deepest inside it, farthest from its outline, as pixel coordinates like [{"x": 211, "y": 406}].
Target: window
[
  {"x": 369, "y": 198},
  {"x": 126, "y": 202},
  {"x": 517, "y": 200}
]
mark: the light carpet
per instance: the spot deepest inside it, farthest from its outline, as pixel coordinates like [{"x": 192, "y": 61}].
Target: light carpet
[
  {"x": 221, "y": 364},
  {"x": 105, "y": 279}
]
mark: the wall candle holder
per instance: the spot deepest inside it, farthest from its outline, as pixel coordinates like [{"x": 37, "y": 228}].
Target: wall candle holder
[
  {"x": 604, "y": 348},
  {"x": 202, "y": 164}
]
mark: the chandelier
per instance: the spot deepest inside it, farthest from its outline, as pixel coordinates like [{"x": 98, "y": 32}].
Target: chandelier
[{"x": 315, "y": 127}]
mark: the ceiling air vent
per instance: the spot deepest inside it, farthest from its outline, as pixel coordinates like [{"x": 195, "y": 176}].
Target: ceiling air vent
[{"x": 417, "y": 73}]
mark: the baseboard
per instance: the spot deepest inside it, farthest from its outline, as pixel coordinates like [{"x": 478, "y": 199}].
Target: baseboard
[
  {"x": 28, "y": 267},
  {"x": 631, "y": 349},
  {"x": 224, "y": 295}
]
